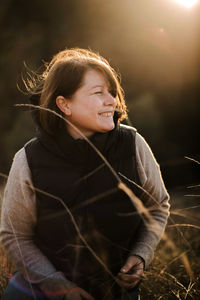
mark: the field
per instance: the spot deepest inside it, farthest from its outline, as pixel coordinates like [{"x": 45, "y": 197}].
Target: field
[{"x": 175, "y": 271}]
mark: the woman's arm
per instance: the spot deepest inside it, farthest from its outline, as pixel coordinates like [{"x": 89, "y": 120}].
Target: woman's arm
[
  {"x": 18, "y": 219},
  {"x": 156, "y": 198}
]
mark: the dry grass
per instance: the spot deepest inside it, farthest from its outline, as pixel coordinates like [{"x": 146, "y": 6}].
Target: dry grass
[{"x": 175, "y": 272}]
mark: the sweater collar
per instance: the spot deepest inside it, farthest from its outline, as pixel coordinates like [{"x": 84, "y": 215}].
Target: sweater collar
[{"x": 76, "y": 150}]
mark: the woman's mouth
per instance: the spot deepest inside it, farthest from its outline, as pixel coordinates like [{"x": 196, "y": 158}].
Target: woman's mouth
[{"x": 106, "y": 114}]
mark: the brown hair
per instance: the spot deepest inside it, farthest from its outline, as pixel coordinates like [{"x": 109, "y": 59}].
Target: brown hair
[{"x": 64, "y": 75}]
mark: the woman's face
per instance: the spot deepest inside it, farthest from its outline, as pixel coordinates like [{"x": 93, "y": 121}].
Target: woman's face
[{"x": 92, "y": 106}]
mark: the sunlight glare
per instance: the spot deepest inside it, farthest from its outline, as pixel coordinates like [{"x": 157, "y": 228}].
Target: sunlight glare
[{"x": 187, "y": 3}]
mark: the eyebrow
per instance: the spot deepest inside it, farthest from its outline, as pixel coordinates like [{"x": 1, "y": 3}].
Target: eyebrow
[{"x": 95, "y": 86}]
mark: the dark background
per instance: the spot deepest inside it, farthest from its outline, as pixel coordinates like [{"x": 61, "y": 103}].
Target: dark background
[{"x": 153, "y": 44}]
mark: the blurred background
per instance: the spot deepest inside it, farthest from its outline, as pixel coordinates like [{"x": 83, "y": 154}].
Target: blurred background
[{"x": 153, "y": 44}]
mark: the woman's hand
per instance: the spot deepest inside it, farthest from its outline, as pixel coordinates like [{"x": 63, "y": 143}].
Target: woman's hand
[
  {"x": 77, "y": 293},
  {"x": 131, "y": 273}
]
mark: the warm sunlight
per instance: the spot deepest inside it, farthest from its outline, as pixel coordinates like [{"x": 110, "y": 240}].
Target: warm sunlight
[{"x": 187, "y": 3}]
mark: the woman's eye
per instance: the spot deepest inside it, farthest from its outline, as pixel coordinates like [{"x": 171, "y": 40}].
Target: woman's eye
[{"x": 98, "y": 92}]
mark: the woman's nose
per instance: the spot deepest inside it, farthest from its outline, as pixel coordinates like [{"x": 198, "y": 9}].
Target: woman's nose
[{"x": 110, "y": 100}]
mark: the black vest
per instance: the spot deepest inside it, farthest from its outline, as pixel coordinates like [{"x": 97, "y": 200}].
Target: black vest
[{"x": 68, "y": 169}]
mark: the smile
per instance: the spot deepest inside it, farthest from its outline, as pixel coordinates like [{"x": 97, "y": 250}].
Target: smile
[{"x": 106, "y": 114}]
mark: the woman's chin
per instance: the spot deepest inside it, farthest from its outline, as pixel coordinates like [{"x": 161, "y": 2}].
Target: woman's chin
[{"x": 108, "y": 127}]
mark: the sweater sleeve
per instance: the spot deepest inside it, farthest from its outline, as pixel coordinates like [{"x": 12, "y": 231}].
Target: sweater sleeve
[
  {"x": 18, "y": 219},
  {"x": 155, "y": 197}
]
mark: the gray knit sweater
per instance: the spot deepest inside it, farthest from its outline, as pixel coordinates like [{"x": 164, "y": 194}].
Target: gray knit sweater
[{"x": 19, "y": 219}]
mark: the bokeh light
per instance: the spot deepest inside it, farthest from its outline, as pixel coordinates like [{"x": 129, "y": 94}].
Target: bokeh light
[{"x": 187, "y": 3}]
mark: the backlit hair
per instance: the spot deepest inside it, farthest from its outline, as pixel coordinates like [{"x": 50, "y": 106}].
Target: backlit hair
[{"x": 64, "y": 75}]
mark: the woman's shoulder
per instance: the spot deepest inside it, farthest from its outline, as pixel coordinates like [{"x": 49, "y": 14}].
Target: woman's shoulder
[
  {"x": 127, "y": 128},
  {"x": 143, "y": 151},
  {"x": 20, "y": 153},
  {"x": 20, "y": 156},
  {"x": 139, "y": 139},
  {"x": 19, "y": 164}
]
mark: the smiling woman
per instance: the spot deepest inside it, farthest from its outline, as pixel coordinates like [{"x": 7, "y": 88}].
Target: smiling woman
[
  {"x": 67, "y": 225},
  {"x": 73, "y": 74},
  {"x": 91, "y": 108}
]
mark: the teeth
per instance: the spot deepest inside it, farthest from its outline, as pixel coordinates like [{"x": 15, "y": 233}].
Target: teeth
[{"x": 106, "y": 114}]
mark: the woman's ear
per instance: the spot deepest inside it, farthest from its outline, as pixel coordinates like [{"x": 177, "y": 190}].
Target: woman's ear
[{"x": 63, "y": 105}]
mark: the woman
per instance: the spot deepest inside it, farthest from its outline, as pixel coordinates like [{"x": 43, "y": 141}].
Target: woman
[{"x": 68, "y": 223}]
